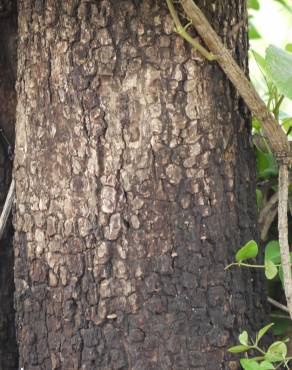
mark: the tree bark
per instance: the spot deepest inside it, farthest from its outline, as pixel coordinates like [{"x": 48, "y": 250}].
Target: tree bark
[
  {"x": 8, "y": 34},
  {"x": 134, "y": 177}
]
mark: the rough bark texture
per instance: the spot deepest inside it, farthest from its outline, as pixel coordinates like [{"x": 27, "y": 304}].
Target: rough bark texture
[
  {"x": 134, "y": 186},
  {"x": 8, "y": 30}
]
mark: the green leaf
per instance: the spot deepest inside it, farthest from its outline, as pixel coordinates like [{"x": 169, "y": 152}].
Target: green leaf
[
  {"x": 288, "y": 47},
  {"x": 272, "y": 252},
  {"x": 287, "y": 125},
  {"x": 285, "y": 5},
  {"x": 263, "y": 331},
  {"x": 238, "y": 349},
  {"x": 253, "y": 33},
  {"x": 256, "y": 124},
  {"x": 249, "y": 364},
  {"x": 279, "y": 64},
  {"x": 259, "y": 196},
  {"x": 261, "y": 62},
  {"x": 276, "y": 352},
  {"x": 266, "y": 365},
  {"x": 266, "y": 164},
  {"x": 250, "y": 250},
  {"x": 270, "y": 269},
  {"x": 253, "y": 4},
  {"x": 243, "y": 338}
]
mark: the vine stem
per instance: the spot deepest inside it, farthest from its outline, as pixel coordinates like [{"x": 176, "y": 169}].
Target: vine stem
[
  {"x": 278, "y": 305},
  {"x": 7, "y": 208},
  {"x": 283, "y": 232},
  {"x": 271, "y": 128},
  {"x": 242, "y": 264}
]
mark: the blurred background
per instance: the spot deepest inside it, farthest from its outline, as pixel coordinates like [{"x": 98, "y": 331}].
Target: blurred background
[{"x": 271, "y": 23}]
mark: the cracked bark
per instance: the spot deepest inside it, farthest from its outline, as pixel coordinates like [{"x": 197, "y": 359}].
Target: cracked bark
[
  {"x": 134, "y": 177},
  {"x": 8, "y": 31}
]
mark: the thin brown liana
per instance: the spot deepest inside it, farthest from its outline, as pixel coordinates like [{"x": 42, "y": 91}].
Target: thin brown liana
[
  {"x": 277, "y": 139},
  {"x": 283, "y": 232},
  {"x": 7, "y": 208}
]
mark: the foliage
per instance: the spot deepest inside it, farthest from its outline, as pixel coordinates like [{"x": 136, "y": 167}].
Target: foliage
[
  {"x": 272, "y": 260},
  {"x": 253, "y": 32},
  {"x": 279, "y": 64},
  {"x": 272, "y": 358}
]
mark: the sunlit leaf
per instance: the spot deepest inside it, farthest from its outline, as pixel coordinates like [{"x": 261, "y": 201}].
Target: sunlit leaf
[
  {"x": 276, "y": 352},
  {"x": 288, "y": 47},
  {"x": 249, "y": 364},
  {"x": 265, "y": 365},
  {"x": 253, "y": 33},
  {"x": 261, "y": 62},
  {"x": 238, "y": 349},
  {"x": 287, "y": 125},
  {"x": 263, "y": 331},
  {"x": 256, "y": 124},
  {"x": 243, "y": 338},
  {"x": 285, "y": 4},
  {"x": 253, "y": 4},
  {"x": 279, "y": 64},
  {"x": 270, "y": 270},
  {"x": 250, "y": 250}
]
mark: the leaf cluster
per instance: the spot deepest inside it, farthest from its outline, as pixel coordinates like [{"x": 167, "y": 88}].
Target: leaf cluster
[{"x": 272, "y": 358}]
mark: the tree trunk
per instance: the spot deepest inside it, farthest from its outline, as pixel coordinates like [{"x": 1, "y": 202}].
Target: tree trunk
[
  {"x": 135, "y": 185},
  {"x": 8, "y": 33}
]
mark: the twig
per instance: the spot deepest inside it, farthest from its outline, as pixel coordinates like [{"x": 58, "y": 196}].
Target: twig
[
  {"x": 271, "y": 128},
  {"x": 277, "y": 316},
  {"x": 7, "y": 208},
  {"x": 265, "y": 227},
  {"x": 268, "y": 206},
  {"x": 278, "y": 305},
  {"x": 185, "y": 35},
  {"x": 267, "y": 215},
  {"x": 283, "y": 232}
]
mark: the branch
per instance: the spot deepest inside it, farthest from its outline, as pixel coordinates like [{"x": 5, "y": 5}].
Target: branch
[
  {"x": 268, "y": 207},
  {"x": 283, "y": 232},
  {"x": 278, "y": 305},
  {"x": 276, "y": 136},
  {"x": 7, "y": 208},
  {"x": 267, "y": 223},
  {"x": 267, "y": 215}
]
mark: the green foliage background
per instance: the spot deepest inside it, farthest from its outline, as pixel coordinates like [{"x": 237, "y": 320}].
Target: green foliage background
[{"x": 270, "y": 23}]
